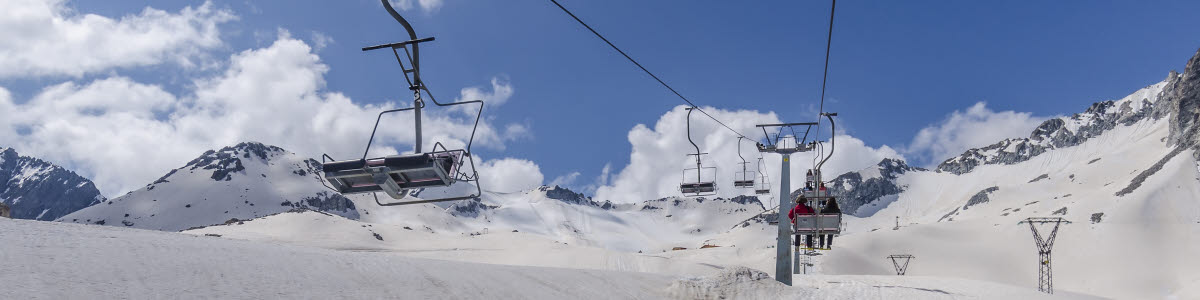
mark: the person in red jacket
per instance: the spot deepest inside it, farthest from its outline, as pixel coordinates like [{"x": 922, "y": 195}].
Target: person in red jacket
[{"x": 801, "y": 208}]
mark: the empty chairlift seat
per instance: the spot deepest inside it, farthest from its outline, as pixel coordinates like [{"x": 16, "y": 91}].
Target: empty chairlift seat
[
  {"x": 698, "y": 187},
  {"x": 393, "y": 174},
  {"x": 744, "y": 183}
]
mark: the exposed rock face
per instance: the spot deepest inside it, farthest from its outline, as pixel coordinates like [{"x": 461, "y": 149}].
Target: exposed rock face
[
  {"x": 1141, "y": 177},
  {"x": 327, "y": 201},
  {"x": 1182, "y": 96},
  {"x": 225, "y": 162},
  {"x": 746, "y": 200},
  {"x": 38, "y": 190},
  {"x": 468, "y": 208},
  {"x": 855, "y": 189},
  {"x": 569, "y": 196},
  {"x": 980, "y": 197}
]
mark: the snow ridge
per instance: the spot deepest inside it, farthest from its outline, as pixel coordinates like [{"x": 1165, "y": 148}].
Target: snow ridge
[
  {"x": 240, "y": 182},
  {"x": 1062, "y": 132}
]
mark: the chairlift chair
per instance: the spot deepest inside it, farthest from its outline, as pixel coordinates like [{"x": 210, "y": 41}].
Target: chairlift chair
[
  {"x": 819, "y": 223},
  {"x": 764, "y": 183},
  {"x": 743, "y": 178},
  {"x": 399, "y": 175},
  {"x": 699, "y": 186}
]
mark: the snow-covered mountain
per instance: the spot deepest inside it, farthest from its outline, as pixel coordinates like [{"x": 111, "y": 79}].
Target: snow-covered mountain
[
  {"x": 241, "y": 182},
  {"x": 1117, "y": 171},
  {"x": 1125, "y": 172},
  {"x": 863, "y": 192},
  {"x": 1062, "y": 132},
  {"x": 38, "y": 190},
  {"x": 562, "y": 215}
]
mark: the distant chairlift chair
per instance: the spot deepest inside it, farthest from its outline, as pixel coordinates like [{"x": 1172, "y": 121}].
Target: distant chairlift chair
[
  {"x": 396, "y": 175},
  {"x": 743, "y": 179},
  {"x": 699, "y": 186},
  {"x": 764, "y": 183}
]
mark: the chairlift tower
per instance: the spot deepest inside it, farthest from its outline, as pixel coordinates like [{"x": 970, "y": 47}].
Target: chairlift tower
[
  {"x": 901, "y": 268},
  {"x": 783, "y": 255},
  {"x": 783, "y": 247},
  {"x": 1045, "y": 272}
]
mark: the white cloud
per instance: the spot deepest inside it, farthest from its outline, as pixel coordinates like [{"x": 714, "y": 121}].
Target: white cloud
[
  {"x": 275, "y": 95},
  {"x": 428, "y": 5},
  {"x": 978, "y": 126},
  {"x": 658, "y": 155},
  {"x": 46, "y": 38},
  {"x": 501, "y": 91},
  {"x": 509, "y": 175},
  {"x": 565, "y": 180},
  {"x": 321, "y": 40}
]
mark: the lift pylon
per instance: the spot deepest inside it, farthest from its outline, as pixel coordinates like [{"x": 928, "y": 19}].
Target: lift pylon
[
  {"x": 1045, "y": 272},
  {"x": 783, "y": 247},
  {"x": 900, "y": 261}
]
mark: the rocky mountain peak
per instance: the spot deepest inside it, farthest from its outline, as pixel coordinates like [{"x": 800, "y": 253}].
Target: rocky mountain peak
[
  {"x": 39, "y": 190},
  {"x": 568, "y": 196},
  {"x": 1183, "y": 104},
  {"x": 228, "y": 160},
  {"x": 243, "y": 181},
  {"x": 1067, "y": 131}
]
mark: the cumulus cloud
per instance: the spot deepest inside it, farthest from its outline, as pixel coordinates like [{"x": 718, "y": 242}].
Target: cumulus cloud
[
  {"x": 509, "y": 175},
  {"x": 658, "y": 155},
  {"x": 321, "y": 40},
  {"x": 427, "y": 5},
  {"x": 500, "y": 92},
  {"x": 275, "y": 95},
  {"x": 46, "y": 38},
  {"x": 565, "y": 180},
  {"x": 978, "y": 126}
]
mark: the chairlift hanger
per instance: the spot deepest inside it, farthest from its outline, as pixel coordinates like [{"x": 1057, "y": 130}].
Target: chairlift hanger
[
  {"x": 699, "y": 187},
  {"x": 399, "y": 175}
]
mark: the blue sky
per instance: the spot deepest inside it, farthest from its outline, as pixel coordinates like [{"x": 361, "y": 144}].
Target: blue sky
[{"x": 897, "y": 66}]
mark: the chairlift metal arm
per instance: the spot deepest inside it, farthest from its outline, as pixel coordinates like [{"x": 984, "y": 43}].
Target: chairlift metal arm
[
  {"x": 380, "y": 117},
  {"x": 790, "y": 126},
  {"x": 832, "y": 137},
  {"x": 767, "y": 136},
  {"x": 398, "y": 44},
  {"x": 322, "y": 180},
  {"x": 689, "y": 136},
  {"x": 739, "y": 150},
  {"x": 412, "y": 36}
]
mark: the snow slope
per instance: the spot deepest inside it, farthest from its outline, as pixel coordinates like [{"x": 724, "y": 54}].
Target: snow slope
[
  {"x": 50, "y": 260},
  {"x": 1131, "y": 196},
  {"x": 650, "y": 226},
  {"x": 245, "y": 181},
  {"x": 492, "y": 246}
]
